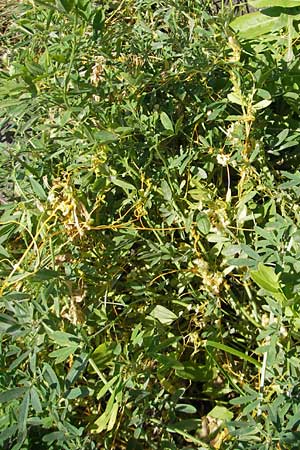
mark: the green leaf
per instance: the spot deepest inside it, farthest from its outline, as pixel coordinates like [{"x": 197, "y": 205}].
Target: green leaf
[
  {"x": 233, "y": 351},
  {"x": 166, "y": 122},
  {"x": 113, "y": 416},
  {"x": 54, "y": 436},
  {"x": 193, "y": 372},
  {"x": 270, "y": 3},
  {"x": 10, "y": 102},
  {"x": 185, "y": 408},
  {"x": 63, "y": 338},
  {"x": 236, "y": 98},
  {"x": 102, "y": 422},
  {"x": 266, "y": 278},
  {"x": 51, "y": 378},
  {"x": 79, "y": 392},
  {"x": 23, "y": 412},
  {"x": 203, "y": 223},
  {"x": 263, "y": 93},
  {"x": 62, "y": 354},
  {"x": 169, "y": 361},
  {"x": 35, "y": 400},
  {"x": 187, "y": 425},
  {"x": 34, "y": 68},
  {"x": 262, "y": 104},
  {"x": 67, "y": 4},
  {"x": 99, "y": 20},
  {"x": 244, "y": 399},
  {"x": 79, "y": 364},
  {"x": 166, "y": 190},
  {"x": 45, "y": 274},
  {"x": 256, "y": 24},
  {"x": 122, "y": 184},
  {"x": 105, "y": 137},
  {"x": 12, "y": 394},
  {"x": 3, "y": 252},
  {"x": 8, "y": 433},
  {"x": 107, "y": 386},
  {"x": 220, "y": 412},
  {"x": 37, "y": 189},
  {"x": 164, "y": 315},
  {"x": 16, "y": 362},
  {"x": 102, "y": 356}
]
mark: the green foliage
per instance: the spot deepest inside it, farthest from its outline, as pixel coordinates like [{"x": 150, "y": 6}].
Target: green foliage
[
  {"x": 149, "y": 229},
  {"x": 274, "y": 16}
]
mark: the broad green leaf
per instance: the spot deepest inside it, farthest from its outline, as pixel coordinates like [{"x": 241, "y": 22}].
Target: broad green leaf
[
  {"x": 63, "y": 353},
  {"x": 35, "y": 400},
  {"x": 263, "y": 93},
  {"x": 12, "y": 394},
  {"x": 34, "y": 68},
  {"x": 113, "y": 416},
  {"x": 79, "y": 392},
  {"x": 281, "y": 137},
  {"x": 54, "y": 436},
  {"x": 78, "y": 367},
  {"x": 186, "y": 408},
  {"x": 296, "y": 323},
  {"x": 294, "y": 420},
  {"x": 221, "y": 412},
  {"x": 10, "y": 102},
  {"x": 51, "y": 378},
  {"x": 187, "y": 425},
  {"x": 37, "y": 189},
  {"x": 203, "y": 223},
  {"x": 233, "y": 351},
  {"x": 244, "y": 399},
  {"x": 193, "y": 372},
  {"x": 169, "y": 361},
  {"x": 166, "y": 190},
  {"x": 235, "y": 98},
  {"x": 16, "y": 362},
  {"x": 266, "y": 278},
  {"x": 256, "y": 24},
  {"x": 252, "y": 406},
  {"x": 99, "y": 20},
  {"x": 102, "y": 356},
  {"x": 163, "y": 314},
  {"x": 8, "y": 433},
  {"x": 262, "y": 104},
  {"x": 45, "y": 274},
  {"x": 124, "y": 131},
  {"x": 67, "y": 4},
  {"x": 23, "y": 412},
  {"x": 3, "y": 252},
  {"x": 107, "y": 387},
  {"x": 63, "y": 338},
  {"x": 270, "y": 3},
  {"x": 102, "y": 422},
  {"x": 105, "y": 137},
  {"x": 122, "y": 184},
  {"x": 166, "y": 121}
]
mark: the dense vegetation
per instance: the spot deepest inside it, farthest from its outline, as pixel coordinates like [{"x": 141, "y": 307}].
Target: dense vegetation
[{"x": 149, "y": 231}]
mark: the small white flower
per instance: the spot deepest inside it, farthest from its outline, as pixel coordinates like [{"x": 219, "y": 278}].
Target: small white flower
[{"x": 222, "y": 159}]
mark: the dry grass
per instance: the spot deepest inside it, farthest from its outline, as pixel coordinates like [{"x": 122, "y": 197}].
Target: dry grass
[{"x": 7, "y": 10}]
